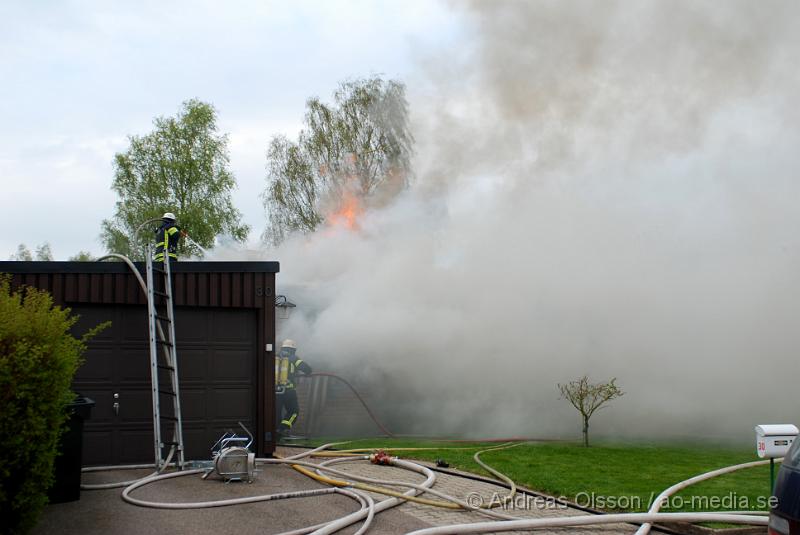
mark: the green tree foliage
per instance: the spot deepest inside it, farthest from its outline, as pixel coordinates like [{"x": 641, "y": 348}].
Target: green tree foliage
[
  {"x": 43, "y": 253},
  {"x": 38, "y": 359},
  {"x": 588, "y": 397},
  {"x": 180, "y": 167},
  {"x": 82, "y": 256},
  {"x": 23, "y": 254},
  {"x": 358, "y": 146}
]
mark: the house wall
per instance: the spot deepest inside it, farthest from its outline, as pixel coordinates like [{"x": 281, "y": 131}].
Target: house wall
[{"x": 216, "y": 286}]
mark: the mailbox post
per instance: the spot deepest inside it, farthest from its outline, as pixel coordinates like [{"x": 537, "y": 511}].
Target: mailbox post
[{"x": 773, "y": 441}]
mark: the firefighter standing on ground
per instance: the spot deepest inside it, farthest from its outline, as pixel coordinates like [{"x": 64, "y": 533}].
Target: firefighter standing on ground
[
  {"x": 286, "y": 367},
  {"x": 167, "y": 236}
]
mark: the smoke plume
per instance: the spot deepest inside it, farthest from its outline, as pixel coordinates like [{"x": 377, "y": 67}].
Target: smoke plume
[{"x": 602, "y": 188}]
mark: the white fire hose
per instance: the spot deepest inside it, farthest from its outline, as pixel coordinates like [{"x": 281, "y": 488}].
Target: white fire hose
[
  {"x": 369, "y": 508},
  {"x": 513, "y": 523},
  {"x": 647, "y": 519},
  {"x": 367, "y": 511},
  {"x": 661, "y": 498},
  {"x": 587, "y": 520}
]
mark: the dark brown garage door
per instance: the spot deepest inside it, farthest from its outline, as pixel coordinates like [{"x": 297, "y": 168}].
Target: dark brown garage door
[{"x": 217, "y": 369}]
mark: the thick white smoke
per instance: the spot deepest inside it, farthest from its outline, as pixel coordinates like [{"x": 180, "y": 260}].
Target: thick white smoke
[{"x": 602, "y": 187}]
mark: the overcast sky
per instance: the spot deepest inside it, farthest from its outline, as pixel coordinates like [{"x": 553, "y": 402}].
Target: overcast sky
[{"x": 78, "y": 77}]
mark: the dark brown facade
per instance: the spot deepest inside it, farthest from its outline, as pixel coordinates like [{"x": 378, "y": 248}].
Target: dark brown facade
[{"x": 225, "y": 331}]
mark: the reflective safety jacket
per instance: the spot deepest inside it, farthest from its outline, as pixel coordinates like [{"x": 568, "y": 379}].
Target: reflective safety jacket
[
  {"x": 286, "y": 367},
  {"x": 167, "y": 236}
]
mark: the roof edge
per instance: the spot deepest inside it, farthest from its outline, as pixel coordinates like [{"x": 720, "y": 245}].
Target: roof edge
[{"x": 12, "y": 266}]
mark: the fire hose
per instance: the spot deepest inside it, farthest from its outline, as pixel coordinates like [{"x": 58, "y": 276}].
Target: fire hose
[
  {"x": 360, "y": 482},
  {"x": 512, "y": 523},
  {"x": 357, "y": 484},
  {"x": 390, "y": 434},
  {"x": 586, "y": 520},
  {"x": 368, "y": 507},
  {"x": 476, "y": 457},
  {"x": 358, "y": 396},
  {"x": 355, "y": 489},
  {"x": 661, "y": 498},
  {"x": 367, "y": 511}
]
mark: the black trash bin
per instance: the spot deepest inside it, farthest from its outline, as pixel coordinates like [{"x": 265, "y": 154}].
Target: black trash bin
[{"x": 67, "y": 485}]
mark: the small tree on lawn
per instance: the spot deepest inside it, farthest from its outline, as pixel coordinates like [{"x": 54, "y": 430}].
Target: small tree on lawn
[{"x": 588, "y": 397}]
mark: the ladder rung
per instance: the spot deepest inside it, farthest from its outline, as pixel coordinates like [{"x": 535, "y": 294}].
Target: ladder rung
[
  {"x": 167, "y": 392},
  {"x": 164, "y": 417},
  {"x": 164, "y": 342},
  {"x": 164, "y": 367},
  {"x": 163, "y": 318},
  {"x": 162, "y": 294},
  {"x": 171, "y": 443}
]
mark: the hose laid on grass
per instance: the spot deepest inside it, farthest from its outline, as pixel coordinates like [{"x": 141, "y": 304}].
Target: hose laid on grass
[
  {"x": 371, "y": 450},
  {"x": 590, "y": 520},
  {"x": 731, "y": 517},
  {"x": 499, "y": 475},
  {"x": 644, "y": 529},
  {"x": 646, "y": 519},
  {"x": 369, "y": 512},
  {"x": 369, "y": 508}
]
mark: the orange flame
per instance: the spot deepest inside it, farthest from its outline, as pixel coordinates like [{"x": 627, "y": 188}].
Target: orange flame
[
  {"x": 347, "y": 209},
  {"x": 347, "y": 213}
]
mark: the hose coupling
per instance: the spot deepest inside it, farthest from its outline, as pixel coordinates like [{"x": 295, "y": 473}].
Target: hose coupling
[{"x": 381, "y": 457}]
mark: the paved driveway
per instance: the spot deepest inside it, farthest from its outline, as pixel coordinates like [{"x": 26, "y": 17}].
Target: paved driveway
[{"x": 104, "y": 512}]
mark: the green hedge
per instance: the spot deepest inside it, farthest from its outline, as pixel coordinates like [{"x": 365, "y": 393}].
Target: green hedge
[{"x": 38, "y": 359}]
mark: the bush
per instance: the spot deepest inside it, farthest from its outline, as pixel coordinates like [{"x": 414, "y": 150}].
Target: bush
[{"x": 38, "y": 359}]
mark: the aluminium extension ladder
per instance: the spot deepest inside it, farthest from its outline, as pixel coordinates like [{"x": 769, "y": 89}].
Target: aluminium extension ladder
[{"x": 163, "y": 371}]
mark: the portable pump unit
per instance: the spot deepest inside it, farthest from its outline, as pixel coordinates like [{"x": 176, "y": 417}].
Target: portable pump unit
[{"x": 232, "y": 458}]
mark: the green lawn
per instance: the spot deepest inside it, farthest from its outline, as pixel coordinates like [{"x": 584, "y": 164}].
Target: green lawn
[{"x": 619, "y": 477}]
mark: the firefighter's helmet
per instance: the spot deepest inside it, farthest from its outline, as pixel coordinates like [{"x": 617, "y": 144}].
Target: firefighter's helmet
[
  {"x": 168, "y": 215},
  {"x": 289, "y": 343}
]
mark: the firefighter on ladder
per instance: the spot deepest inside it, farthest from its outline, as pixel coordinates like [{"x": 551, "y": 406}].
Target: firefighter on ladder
[
  {"x": 286, "y": 367},
  {"x": 167, "y": 236}
]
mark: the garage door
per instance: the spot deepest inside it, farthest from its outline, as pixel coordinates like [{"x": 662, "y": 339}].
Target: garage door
[{"x": 217, "y": 370}]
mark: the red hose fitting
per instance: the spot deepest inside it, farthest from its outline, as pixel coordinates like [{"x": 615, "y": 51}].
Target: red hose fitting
[{"x": 380, "y": 457}]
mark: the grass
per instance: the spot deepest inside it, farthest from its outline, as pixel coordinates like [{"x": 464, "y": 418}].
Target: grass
[{"x": 611, "y": 477}]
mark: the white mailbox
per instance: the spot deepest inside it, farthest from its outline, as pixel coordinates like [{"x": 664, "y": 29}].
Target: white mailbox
[{"x": 774, "y": 440}]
